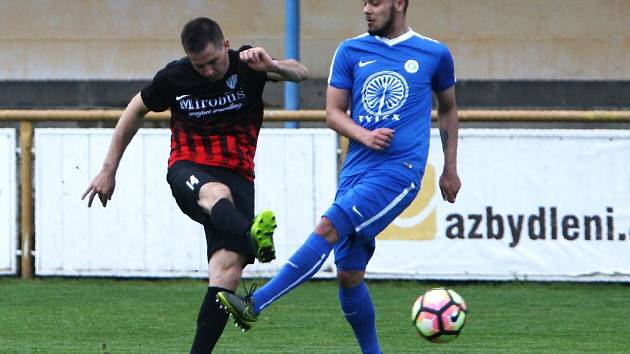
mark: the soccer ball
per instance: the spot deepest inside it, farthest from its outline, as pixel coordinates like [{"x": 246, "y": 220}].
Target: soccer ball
[{"x": 439, "y": 315}]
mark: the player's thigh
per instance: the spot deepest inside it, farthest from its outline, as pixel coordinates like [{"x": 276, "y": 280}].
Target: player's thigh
[
  {"x": 186, "y": 179},
  {"x": 375, "y": 201},
  {"x": 367, "y": 204},
  {"x": 242, "y": 191}
]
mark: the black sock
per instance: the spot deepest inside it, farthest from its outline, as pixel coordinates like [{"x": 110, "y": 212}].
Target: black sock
[
  {"x": 210, "y": 323},
  {"x": 227, "y": 220}
]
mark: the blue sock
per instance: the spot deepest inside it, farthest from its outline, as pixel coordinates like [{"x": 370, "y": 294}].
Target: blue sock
[
  {"x": 358, "y": 309},
  {"x": 305, "y": 262}
]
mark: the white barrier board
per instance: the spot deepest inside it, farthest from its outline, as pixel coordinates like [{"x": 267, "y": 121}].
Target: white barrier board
[
  {"x": 8, "y": 203},
  {"x": 142, "y": 232},
  {"x": 534, "y": 204}
]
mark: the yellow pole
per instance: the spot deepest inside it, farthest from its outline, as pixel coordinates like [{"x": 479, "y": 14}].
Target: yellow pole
[
  {"x": 320, "y": 116},
  {"x": 26, "y": 199}
]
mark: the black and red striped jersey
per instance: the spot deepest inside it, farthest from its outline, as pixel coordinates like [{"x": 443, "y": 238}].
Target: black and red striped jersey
[{"x": 212, "y": 123}]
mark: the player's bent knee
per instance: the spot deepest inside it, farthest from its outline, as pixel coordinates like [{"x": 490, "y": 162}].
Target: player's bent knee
[
  {"x": 327, "y": 230},
  {"x": 350, "y": 279},
  {"x": 212, "y": 192}
]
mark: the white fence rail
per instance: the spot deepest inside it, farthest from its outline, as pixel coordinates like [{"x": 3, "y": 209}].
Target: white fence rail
[
  {"x": 8, "y": 203},
  {"x": 142, "y": 232}
]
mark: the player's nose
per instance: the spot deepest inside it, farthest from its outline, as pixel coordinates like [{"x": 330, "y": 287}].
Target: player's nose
[
  {"x": 208, "y": 72},
  {"x": 367, "y": 9}
]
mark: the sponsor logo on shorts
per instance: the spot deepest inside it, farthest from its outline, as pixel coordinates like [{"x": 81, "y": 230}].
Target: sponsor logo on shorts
[{"x": 356, "y": 211}]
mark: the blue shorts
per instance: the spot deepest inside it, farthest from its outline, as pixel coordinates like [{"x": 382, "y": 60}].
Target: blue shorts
[{"x": 364, "y": 206}]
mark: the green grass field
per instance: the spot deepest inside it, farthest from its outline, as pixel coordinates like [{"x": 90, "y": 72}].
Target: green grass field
[{"x": 144, "y": 316}]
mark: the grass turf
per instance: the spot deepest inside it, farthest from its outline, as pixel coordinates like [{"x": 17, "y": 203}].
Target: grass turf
[{"x": 158, "y": 316}]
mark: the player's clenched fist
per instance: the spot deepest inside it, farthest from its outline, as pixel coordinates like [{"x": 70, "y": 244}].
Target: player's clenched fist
[
  {"x": 377, "y": 139},
  {"x": 450, "y": 185},
  {"x": 258, "y": 59}
]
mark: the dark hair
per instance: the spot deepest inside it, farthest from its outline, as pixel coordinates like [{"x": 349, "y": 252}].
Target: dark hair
[
  {"x": 198, "y": 33},
  {"x": 406, "y": 5}
]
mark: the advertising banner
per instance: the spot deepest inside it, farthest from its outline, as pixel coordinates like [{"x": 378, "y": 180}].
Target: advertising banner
[{"x": 534, "y": 205}]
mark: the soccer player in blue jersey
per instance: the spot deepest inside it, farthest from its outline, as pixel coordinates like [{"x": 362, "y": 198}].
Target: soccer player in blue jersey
[{"x": 387, "y": 77}]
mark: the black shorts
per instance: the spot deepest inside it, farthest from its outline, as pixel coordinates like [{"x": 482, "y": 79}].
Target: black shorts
[{"x": 186, "y": 178}]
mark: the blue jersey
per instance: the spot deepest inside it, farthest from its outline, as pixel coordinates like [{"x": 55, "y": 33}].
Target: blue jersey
[{"x": 391, "y": 83}]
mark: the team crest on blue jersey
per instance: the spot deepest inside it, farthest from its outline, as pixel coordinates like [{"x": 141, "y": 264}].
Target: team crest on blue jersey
[
  {"x": 231, "y": 81},
  {"x": 412, "y": 66},
  {"x": 384, "y": 92}
]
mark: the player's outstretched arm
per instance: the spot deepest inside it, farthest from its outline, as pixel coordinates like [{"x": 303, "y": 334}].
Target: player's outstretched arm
[
  {"x": 105, "y": 181},
  {"x": 339, "y": 121},
  {"x": 281, "y": 70},
  {"x": 448, "y": 123}
]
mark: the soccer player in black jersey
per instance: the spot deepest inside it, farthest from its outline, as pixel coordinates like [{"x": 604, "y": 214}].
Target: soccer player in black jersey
[{"x": 215, "y": 97}]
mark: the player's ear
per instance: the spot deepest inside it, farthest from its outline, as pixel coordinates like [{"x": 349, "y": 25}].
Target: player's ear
[
  {"x": 399, "y": 5},
  {"x": 226, "y": 44}
]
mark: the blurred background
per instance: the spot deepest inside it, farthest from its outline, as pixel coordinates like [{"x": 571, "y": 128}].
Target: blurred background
[
  {"x": 560, "y": 54},
  {"x": 537, "y": 242}
]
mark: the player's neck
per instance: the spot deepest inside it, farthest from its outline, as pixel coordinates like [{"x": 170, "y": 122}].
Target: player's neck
[
  {"x": 396, "y": 34},
  {"x": 397, "y": 30}
]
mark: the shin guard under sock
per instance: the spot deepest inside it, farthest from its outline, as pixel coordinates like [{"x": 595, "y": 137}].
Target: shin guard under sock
[
  {"x": 227, "y": 220},
  {"x": 358, "y": 309},
  {"x": 210, "y": 323},
  {"x": 302, "y": 265}
]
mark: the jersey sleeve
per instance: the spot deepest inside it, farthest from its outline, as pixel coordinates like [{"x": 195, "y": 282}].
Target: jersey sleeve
[
  {"x": 159, "y": 94},
  {"x": 444, "y": 76},
  {"x": 340, "y": 69}
]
